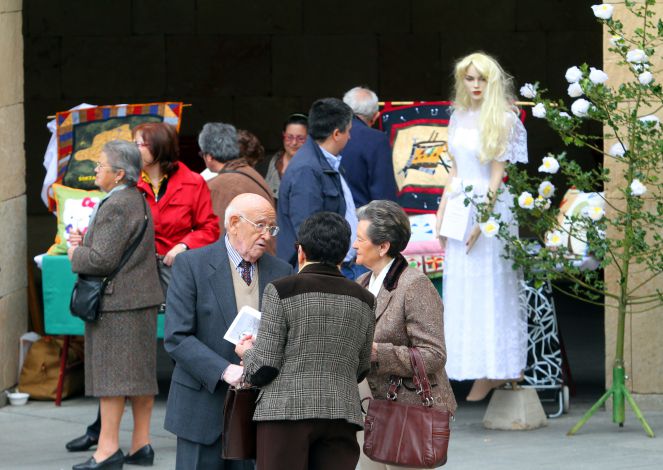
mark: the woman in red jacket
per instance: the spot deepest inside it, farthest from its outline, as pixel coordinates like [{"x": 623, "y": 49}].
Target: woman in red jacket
[{"x": 179, "y": 198}]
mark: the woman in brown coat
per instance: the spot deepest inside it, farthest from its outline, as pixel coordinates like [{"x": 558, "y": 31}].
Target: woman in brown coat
[
  {"x": 409, "y": 311},
  {"x": 120, "y": 347}
]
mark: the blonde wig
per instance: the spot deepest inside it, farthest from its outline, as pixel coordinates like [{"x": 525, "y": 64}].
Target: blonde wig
[{"x": 497, "y": 100}]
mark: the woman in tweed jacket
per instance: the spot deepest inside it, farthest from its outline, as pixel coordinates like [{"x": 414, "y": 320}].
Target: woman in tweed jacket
[
  {"x": 312, "y": 348},
  {"x": 120, "y": 347},
  {"x": 409, "y": 311}
]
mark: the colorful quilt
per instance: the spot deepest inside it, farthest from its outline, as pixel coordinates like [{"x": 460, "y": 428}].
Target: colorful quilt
[
  {"x": 418, "y": 136},
  {"x": 82, "y": 133}
]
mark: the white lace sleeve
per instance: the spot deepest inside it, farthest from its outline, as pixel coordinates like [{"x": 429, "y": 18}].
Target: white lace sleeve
[
  {"x": 451, "y": 127},
  {"x": 516, "y": 147}
]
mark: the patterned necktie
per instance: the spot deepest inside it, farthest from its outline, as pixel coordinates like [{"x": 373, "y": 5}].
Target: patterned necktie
[{"x": 246, "y": 271}]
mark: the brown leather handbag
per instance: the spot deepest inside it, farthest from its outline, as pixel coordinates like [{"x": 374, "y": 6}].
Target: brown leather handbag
[
  {"x": 238, "y": 440},
  {"x": 407, "y": 435}
]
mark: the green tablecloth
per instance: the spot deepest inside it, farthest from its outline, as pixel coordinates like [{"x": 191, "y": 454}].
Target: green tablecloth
[{"x": 57, "y": 283}]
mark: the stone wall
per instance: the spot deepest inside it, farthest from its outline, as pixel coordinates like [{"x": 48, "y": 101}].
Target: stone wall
[
  {"x": 643, "y": 355},
  {"x": 13, "y": 278},
  {"x": 254, "y": 62}
]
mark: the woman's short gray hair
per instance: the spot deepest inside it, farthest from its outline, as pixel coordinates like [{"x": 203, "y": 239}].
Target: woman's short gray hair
[
  {"x": 363, "y": 101},
  {"x": 388, "y": 223},
  {"x": 124, "y": 155},
  {"x": 220, "y": 141}
]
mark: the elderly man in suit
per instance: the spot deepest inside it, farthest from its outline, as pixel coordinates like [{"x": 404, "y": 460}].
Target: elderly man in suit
[
  {"x": 367, "y": 161},
  {"x": 312, "y": 348},
  {"x": 208, "y": 287}
]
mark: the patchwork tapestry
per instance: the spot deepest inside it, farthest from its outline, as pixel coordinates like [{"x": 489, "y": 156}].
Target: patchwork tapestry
[
  {"x": 82, "y": 133},
  {"x": 418, "y": 136}
]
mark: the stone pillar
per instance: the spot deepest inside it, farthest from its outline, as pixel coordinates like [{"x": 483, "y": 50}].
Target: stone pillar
[
  {"x": 643, "y": 355},
  {"x": 13, "y": 276}
]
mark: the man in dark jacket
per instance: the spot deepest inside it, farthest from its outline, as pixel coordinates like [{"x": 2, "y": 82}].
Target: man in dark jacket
[
  {"x": 367, "y": 162},
  {"x": 313, "y": 181}
]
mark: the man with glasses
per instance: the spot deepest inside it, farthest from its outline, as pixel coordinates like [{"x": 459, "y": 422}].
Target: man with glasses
[
  {"x": 232, "y": 174},
  {"x": 314, "y": 183},
  {"x": 209, "y": 286}
]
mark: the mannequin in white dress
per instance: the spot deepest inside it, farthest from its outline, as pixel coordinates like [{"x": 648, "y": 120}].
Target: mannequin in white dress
[{"x": 485, "y": 325}]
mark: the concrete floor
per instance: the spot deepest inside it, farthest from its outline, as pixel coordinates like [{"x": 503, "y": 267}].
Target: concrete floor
[{"x": 32, "y": 437}]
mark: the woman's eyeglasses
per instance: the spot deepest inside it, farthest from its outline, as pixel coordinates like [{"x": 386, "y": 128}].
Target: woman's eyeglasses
[{"x": 300, "y": 139}]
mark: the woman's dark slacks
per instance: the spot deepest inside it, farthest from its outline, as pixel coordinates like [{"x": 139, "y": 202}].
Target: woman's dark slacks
[{"x": 311, "y": 444}]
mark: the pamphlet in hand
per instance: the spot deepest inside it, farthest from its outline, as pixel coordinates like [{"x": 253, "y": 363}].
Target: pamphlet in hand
[{"x": 245, "y": 323}]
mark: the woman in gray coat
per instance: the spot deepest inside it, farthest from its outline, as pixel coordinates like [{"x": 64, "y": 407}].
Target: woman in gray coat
[
  {"x": 120, "y": 347},
  {"x": 409, "y": 312}
]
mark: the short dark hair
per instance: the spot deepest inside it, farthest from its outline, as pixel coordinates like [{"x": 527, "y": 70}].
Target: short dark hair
[
  {"x": 161, "y": 139},
  {"x": 388, "y": 223},
  {"x": 325, "y": 238},
  {"x": 327, "y": 115},
  {"x": 296, "y": 118}
]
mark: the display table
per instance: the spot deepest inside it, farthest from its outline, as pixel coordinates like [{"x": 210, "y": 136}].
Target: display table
[{"x": 57, "y": 284}]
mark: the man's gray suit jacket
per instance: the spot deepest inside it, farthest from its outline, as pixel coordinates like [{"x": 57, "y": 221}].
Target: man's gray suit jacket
[{"x": 200, "y": 307}]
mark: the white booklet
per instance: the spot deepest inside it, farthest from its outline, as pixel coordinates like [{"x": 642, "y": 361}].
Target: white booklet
[
  {"x": 455, "y": 219},
  {"x": 245, "y": 323}
]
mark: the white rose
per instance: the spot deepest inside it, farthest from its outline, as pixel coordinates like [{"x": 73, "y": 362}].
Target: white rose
[
  {"x": 490, "y": 227},
  {"x": 554, "y": 239},
  {"x": 539, "y": 110},
  {"x": 637, "y": 188},
  {"x": 616, "y": 40},
  {"x": 542, "y": 203},
  {"x": 573, "y": 74},
  {"x": 546, "y": 189},
  {"x": 597, "y": 76},
  {"x": 580, "y": 107},
  {"x": 603, "y": 11},
  {"x": 564, "y": 114},
  {"x": 595, "y": 213},
  {"x": 646, "y": 120},
  {"x": 636, "y": 56},
  {"x": 528, "y": 90},
  {"x": 525, "y": 200},
  {"x": 549, "y": 165},
  {"x": 617, "y": 150},
  {"x": 645, "y": 78},
  {"x": 574, "y": 90}
]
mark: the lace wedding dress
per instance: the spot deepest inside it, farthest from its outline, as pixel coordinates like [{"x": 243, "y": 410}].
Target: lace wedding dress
[{"x": 484, "y": 324}]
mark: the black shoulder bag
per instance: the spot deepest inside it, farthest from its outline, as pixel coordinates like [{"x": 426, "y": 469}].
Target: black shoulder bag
[{"x": 86, "y": 296}]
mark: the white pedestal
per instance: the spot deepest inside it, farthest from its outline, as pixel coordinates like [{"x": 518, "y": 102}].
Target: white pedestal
[{"x": 515, "y": 410}]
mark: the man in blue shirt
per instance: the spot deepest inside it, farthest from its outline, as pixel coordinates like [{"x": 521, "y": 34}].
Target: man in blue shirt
[
  {"x": 313, "y": 181},
  {"x": 367, "y": 161}
]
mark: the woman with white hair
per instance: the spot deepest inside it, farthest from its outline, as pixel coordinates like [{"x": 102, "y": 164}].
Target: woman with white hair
[{"x": 485, "y": 325}]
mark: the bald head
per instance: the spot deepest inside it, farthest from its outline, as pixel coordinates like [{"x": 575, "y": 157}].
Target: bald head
[{"x": 247, "y": 218}]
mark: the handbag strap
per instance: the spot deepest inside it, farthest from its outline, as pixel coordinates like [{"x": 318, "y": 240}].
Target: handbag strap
[
  {"x": 130, "y": 251},
  {"x": 420, "y": 378}
]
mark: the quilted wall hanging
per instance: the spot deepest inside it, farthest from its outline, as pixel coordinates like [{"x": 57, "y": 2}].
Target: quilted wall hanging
[
  {"x": 82, "y": 133},
  {"x": 418, "y": 135}
]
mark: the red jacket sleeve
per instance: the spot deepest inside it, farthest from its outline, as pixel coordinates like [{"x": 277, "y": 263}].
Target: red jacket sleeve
[{"x": 205, "y": 228}]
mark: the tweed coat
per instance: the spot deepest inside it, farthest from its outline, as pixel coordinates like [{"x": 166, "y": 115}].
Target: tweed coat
[
  {"x": 409, "y": 313},
  {"x": 312, "y": 348},
  {"x": 118, "y": 222},
  {"x": 199, "y": 309}
]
